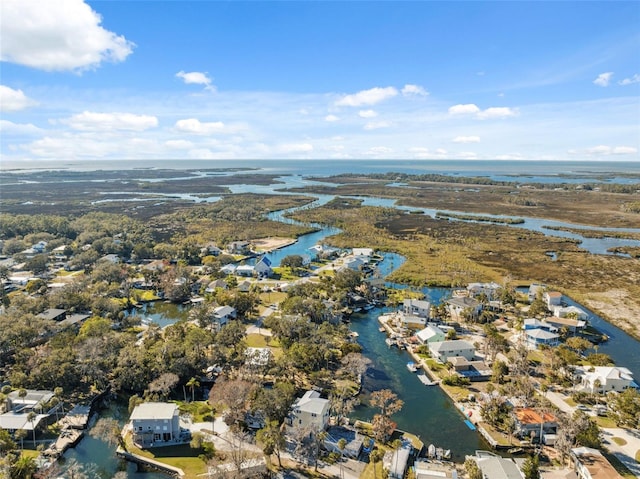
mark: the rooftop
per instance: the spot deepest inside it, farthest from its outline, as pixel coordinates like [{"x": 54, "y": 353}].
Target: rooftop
[{"x": 154, "y": 410}]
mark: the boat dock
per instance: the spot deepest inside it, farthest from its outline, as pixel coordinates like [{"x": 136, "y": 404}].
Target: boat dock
[
  {"x": 424, "y": 379},
  {"x": 68, "y": 438}
]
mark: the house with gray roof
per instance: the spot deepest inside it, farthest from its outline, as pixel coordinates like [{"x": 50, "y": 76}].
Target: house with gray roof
[
  {"x": 155, "y": 424},
  {"x": 430, "y": 334},
  {"x": 310, "y": 411},
  {"x": 443, "y": 350},
  {"x": 459, "y": 306},
  {"x": 496, "y": 467}
]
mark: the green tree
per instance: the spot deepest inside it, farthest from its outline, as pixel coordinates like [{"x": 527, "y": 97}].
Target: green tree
[
  {"x": 31, "y": 417},
  {"x": 272, "y": 439},
  {"x": 193, "y": 383},
  {"x": 472, "y": 469},
  {"x": 375, "y": 457},
  {"x": 24, "y": 468},
  {"x": 531, "y": 467}
]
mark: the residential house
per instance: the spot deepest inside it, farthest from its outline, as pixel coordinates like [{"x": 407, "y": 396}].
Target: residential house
[
  {"x": 309, "y": 412},
  {"x": 19, "y": 407},
  {"x": 322, "y": 251},
  {"x": 603, "y": 379},
  {"x": 365, "y": 253},
  {"x": 245, "y": 286},
  {"x": 534, "y": 323},
  {"x": 353, "y": 263},
  {"x": 396, "y": 462},
  {"x": 155, "y": 424},
  {"x": 496, "y": 467},
  {"x": 223, "y": 314},
  {"x": 460, "y": 307},
  {"x": 263, "y": 268},
  {"x": 246, "y": 270},
  {"x": 228, "y": 269},
  {"x": 430, "y": 334},
  {"x": 490, "y": 290},
  {"x": 239, "y": 247},
  {"x": 534, "y": 338},
  {"x": 111, "y": 258},
  {"x": 432, "y": 470},
  {"x": 552, "y": 298},
  {"x": 534, "y": 290},
  {"x": 412, "y": 322},
  {"x": 570, "y": 311},
  {"x": 571, "y": 325},
  {"x": 533, "y": 424},
  {"x": 53, "y": 314},
  {"x": 214, "y": 285},
  {"x": 589, "y": 463},
  {"x": 443, "y": 350},
  {"x": 211, "y": 250},
  {"x": 472, "y": 370},
  {"x": 417, "y": 307}
]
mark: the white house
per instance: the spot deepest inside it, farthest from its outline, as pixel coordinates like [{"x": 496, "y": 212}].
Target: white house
[
  {"x": 459, "y": 306},
  {"x": 245, "y": 270},
  {"x": 552, "y": 298},
  {"x": 363, "y": 253},
  {"x": 353, "y": 263},
  {"x": 155, "y": 424},
  {"x": 497, "y": 467},
  {"x": 430, "y": 334},
  {"x": 591, "y": 464},
  {"x": 443, "y": 350},
  {"x": 537, "y": 337},
  {"x": 310, "y": 411},
  {"x": 223, "y": 314},
  {"x": 570, "y": 324},
  {"x": 489, "y": 289},
  {"x": 263, "y": 267},
  {"x": 534, "y": 290},
  {"x": 605, "y": 378},
  {"x": 417, "y": 307},
  {"x": 228, "y": 269},
  {"x": 564, "y": 311}
]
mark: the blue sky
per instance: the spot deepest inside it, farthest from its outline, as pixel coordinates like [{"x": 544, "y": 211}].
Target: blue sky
[{"x": 104, "y": 80}]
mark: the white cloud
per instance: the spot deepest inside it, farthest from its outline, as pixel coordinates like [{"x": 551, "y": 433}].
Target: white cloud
[
  {"x": 295, "y": 148},
  {"x": 414, "y": 90},
  {"x": 514, "y": 156},
  {"x": 55, "y": 36},
  {"x": 193, "y": 125},
  {"x": 376, "y": 125},
  {"x": 497, "y": 112},
  {"x": 367, "y": 97},
  {"x": 178, "y": 144},
  {"x": 8, "y": 127},
  {"x": 14, "y": 100},
  {"x": 92, "y": 121},
  {"x": 466, "y": 109},
  {"x": 367, "y": 113},
  {"x": 629, "y": 81},
  {"x": 603, "y": 79},
  {"x": 196, "y": 78},
  {"x": 467, "y": 155},
  {"x": 466, "y": 139},
  {"x": 603, "y": 150},
  {"x": 419, "y": 153},
  {"x": 380, "y": 151},
  {"x": 331, "y": 118}
]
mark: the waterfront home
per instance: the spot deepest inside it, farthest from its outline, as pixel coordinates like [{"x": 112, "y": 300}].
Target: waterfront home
[
  {"x": 496, "y": 467},
  {"x": 263, "y": 268},
  {"x": 239, "y": 247},
  {"x": 531, "y": 424},
  {"x": 410, "y": 321},
  {"x": 552, "y": 298},
  {"x": 111, "y": 258},
  {"x": 210, "y": 250},
  {"x": 323, "y": 251},
  {"x": 228, "y": 269},
  {"x": 354, "y": 441},
  {"x": 19, "y": 406},
  {"x": 535, "y": 323},
  {"x": 589, "y": 463},
  {"x": 535, "y": 338},
  {"x": 155, "y": 424},
  {"x": 430, "y": 334},
  {"x": 353, "y": 263},
  {"x": 417, "y": 307},
  {"x": 245, "y": 286},
  {"x": 534, "y": 290},
  {"x": 433, "y": 470},
  {"x": 444, "y": 350},
  {"x": 472, "y": 370},
  {"x": 214, "y": 285},
  {"x": 490, "y": 290},
  {"x": 462, "y": 307},
  {"x": 570, "y": 325},
  {"x": 603, "y": 379},
  {"x": 222, "y": 315},
  {"x": 246, "y": 270},
  {"x": 570, "y": 311},
  {"x": 364, "y": 253},
  {"x": 396, "y": 462},
  {"x": 250, "y": 467},
  {"x": 309, "y": 412}
]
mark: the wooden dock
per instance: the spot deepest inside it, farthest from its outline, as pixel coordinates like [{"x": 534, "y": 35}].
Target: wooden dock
[{"x": 68, "y": 438}]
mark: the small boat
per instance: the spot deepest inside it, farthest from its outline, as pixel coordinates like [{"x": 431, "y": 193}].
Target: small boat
[
  {"x": 431, "y": 450},
  {"x": 390, "y": 342},
  {"x": 381, "y": 329},
  {"x": 411, "y": 366},
  {"x": 515, "y": 450}
]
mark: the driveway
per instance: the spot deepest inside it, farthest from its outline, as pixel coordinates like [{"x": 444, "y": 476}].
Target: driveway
[{"x": 626, "y": 452}]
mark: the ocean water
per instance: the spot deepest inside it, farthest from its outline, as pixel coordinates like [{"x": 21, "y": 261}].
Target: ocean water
[{"x": 540, "y": 171}]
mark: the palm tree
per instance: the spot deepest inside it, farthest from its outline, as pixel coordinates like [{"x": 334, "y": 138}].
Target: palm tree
[
  {"x": 396, "y": 445},
  {"x": 31, "y": 417},
  {"x": 20, "y": 434},
  {"x": 342, "y": 443},
  {"x": 193, "y": 383},
  {"x": 597, "y": 384},
  {"x": 24, "y": 468},
  {"x": 375, "y": 456}
]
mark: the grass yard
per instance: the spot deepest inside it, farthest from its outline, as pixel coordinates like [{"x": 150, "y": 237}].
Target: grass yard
[
  {"x": 619, "y": 441},
  {"x": 182, "y": 456},
  {"x": 256, "y": 340}
]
